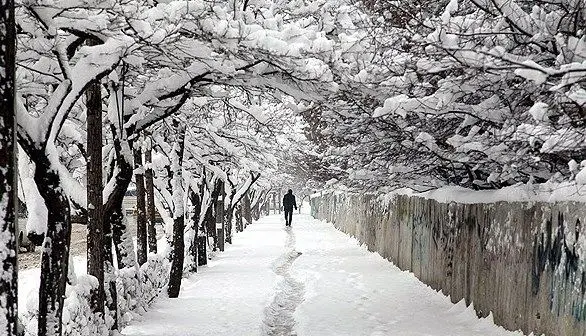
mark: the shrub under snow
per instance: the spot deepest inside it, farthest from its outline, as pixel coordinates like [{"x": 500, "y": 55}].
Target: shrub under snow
[{"x": 136, "y": 287}]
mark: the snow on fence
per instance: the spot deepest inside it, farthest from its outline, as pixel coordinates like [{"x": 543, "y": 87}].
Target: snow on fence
[
  {"x": 136, "y": 288},
  {"x": 524, "y": 262}
]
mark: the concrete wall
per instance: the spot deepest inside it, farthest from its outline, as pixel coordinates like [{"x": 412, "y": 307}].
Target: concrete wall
[{"x": 523, "y": 262}]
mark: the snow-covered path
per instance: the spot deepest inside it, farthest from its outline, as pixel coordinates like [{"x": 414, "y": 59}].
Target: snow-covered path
[
  {"x": 279, "y": 318},
  {"x": 311, "y": 280}
]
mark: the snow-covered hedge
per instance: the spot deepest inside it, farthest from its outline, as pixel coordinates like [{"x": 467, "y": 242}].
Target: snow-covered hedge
[
  {"x": 136, "y": 287},
  {"x": 78, "y": 318}
]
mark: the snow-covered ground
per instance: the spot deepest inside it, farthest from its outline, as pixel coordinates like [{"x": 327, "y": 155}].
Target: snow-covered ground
[
  {"x": 308, "y": 280},
  {"x": 228, "y": 296}
]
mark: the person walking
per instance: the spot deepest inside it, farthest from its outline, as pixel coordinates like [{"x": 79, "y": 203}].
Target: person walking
[{"x": 288, "y": 205}]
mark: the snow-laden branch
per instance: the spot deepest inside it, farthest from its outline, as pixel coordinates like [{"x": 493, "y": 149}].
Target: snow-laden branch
[{"x": 244, "y": 189}]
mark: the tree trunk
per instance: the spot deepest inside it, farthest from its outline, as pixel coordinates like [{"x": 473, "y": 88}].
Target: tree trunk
[
  {"x": 55, "y": 256},
  {"x": 141, "y": 226},
  {"x": 210, "y": 217},
  {"x": 150, "y": 191},
  {"x": 8, "y": 194},
  {"x": 220, "y": 215},
  {"x": 113, "y": 210},
  {"x": 267, "y": 205},
  {"x": 177, "y": 257},
  {"x": 95, "y": 224},
  {"x": 279, "y": 199},
  {"x": 238, "y": 217},
  {"x": 115, "y": 233},
  {"x": 109, "y": 274},
  {"x": 247, "y": 211},
  {"x": 210, "y": 223},
  {"x": 255, "y": 212},
  {"x": 122, "y": 239},
  {"x": 202, "y": 245},
  {"x": 227, "y": 224},
  {"x": 258, "y": 206},
  {"x": 109, "y": 270},
  {"x": 179, "y": 214},
  {"x": 196, "y": 203}
]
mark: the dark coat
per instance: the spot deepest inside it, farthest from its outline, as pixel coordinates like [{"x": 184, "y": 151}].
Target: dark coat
[{"x": 289, "y": 202}]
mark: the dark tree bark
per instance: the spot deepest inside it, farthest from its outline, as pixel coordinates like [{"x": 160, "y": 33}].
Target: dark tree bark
[
  {"x": 209, "y": 222},
  {"x": 196, "y": 203},
  {"x": 202, "y": 238},
  {"x": 228, "y": 212},
  {"x": 115, "y": 231},
  {"x": 220, "y": 220},
  {"x": 210, "y": 216},
  {"x": 55, "y": 257},
  {"x": 8, "y": 195},
  {"x": 109, "y": 274},
  {"x": 95, "y": 224},
  {"x": 255, "y": 211},
  {"x": 227, "y": 224},
  {"x": 247, "y": 211},
  {"x": 141, "y": 225},
  {"x": 268, "y": 205},
  {"x": 150, "y": 192},
  {"x": 178, "y": 251},
  {"x": 113, "y": 210},
  {"x": 115, "y": 228},
  {"x": 123, "y": 245},
  {"x": 202, "y": 245},
  {"x": 238, "y": 218}
]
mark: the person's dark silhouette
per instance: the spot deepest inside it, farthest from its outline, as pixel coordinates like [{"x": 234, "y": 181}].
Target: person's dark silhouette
[{"x": 288, "y": 205}]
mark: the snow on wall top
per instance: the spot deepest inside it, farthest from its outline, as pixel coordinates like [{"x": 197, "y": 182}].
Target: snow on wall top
[{"x": 547, "y": 192}]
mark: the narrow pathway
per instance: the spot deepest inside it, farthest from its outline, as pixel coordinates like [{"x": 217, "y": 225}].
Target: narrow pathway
[
  {"x": 226, "y": 298},
  {"x": 308, "y": 280},
  {"x": 279, "y": 319}
]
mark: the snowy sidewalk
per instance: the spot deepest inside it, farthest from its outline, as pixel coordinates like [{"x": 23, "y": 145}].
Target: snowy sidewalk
[{"x": 311, "y": 280}]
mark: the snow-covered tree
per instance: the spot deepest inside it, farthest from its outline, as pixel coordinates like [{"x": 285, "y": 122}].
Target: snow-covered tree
[{"x": 476, "y": 94}]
